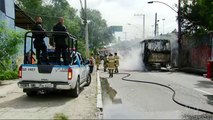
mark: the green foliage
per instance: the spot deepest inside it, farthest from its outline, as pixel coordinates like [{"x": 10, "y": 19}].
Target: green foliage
[
  {"x": 197, "y": 16},
  {"x": 50, "y": 10},
  {"x": 8, "y": 75},
  {"x": 99, "y": 33},
  {"x": 60, "y": 116},
  {"x": 81, "y": 47},
  {"x": 10, "y": 41}
]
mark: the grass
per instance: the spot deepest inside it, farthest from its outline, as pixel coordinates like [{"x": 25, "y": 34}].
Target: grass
[{"x": 60, "y": 116}]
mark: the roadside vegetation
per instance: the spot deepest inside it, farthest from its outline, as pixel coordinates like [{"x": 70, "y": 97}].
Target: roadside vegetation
[
  {"x": 60, "y": 116},
  {"x": 10, "y": 41},
  {"x": 196, "y": 16}
]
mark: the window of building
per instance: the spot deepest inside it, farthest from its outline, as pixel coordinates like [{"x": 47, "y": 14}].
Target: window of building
[{"x": 2, "y": 6}]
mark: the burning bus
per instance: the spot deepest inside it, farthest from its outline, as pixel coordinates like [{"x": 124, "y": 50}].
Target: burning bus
[{"x": 156, "y": 53}]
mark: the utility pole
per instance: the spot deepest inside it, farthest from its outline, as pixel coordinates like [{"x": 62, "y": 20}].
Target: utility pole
[
  {"x": 125, "y": 35},
  {"x": 156, "y": 19},
  {"x": 143, "y": 23},
  {"x": 179, "y": 33},
  {"x": 144, "y": 26},
  {"x": 179, "y": 26},
  {"x": 86, "y": 29}
]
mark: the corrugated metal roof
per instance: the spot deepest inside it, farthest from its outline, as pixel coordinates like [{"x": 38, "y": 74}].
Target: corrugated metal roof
[{"x": 22, "y": 20}]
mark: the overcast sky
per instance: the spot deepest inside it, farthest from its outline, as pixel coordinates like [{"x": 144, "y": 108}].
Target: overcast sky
[{"x": 121, "y": 12}]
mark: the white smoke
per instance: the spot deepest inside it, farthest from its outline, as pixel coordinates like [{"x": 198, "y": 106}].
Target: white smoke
[{"x": 131, "y": 60}]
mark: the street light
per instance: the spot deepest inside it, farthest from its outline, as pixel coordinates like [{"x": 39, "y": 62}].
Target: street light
[
  {"x": 151, "y": 2},
  {"x": 143, "y": 23},
  {"x": 163, "y": 24},
  {"x": 136, "y": 28},
  {"x": 179, "y": 21}
]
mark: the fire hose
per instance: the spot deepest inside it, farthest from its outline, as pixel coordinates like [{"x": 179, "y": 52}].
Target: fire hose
[{"x": 170, "y": 88}]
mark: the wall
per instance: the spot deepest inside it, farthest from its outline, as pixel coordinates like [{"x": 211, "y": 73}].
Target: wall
[
  {"x": 8, "y": 14},
  {"x": 196, "y": 51}
]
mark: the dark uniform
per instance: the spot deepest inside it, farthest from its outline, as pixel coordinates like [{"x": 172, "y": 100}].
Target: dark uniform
[
  {"x": 39, "y": 43},
  {"x": 60, "y": 43}
]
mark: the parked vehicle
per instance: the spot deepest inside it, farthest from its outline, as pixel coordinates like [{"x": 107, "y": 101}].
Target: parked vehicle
[{"x": 34, "y": 78}]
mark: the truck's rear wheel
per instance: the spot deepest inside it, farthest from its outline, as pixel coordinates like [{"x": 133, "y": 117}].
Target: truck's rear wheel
[
  {"x": 76, "y": 91},
  {"x": 88, "y": 80}
]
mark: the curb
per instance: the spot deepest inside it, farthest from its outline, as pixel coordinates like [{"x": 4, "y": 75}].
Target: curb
[{"x": 99, "y": 95}]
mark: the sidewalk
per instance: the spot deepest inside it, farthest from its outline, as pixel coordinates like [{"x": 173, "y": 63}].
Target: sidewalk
[
  {"x": 14, "y": 104},
  {"x": 192, "y": 70},
  {"x": 7, "y": 87}
]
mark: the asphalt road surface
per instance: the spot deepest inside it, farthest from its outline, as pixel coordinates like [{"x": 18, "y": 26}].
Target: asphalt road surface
[
  {"x": 123, "y": 99},
  {"x": 14, "y": 104}
]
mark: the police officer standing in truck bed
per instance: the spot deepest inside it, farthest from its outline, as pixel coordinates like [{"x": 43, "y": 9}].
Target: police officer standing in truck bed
[{"x": 60, "y": 43}]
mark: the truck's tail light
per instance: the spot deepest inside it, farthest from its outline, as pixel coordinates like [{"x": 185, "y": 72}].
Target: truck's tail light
[
  {"x": 20, "y": 72},
  {"x": 69, "y": 74}
]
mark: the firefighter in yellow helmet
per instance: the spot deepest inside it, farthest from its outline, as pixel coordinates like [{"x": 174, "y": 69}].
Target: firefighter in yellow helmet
[
  {"x": 105, "y": 62},
  {"x": 116, "y": 57},
  {"x": 97, "y": 61},
  {"x": 111, "y": 65}
]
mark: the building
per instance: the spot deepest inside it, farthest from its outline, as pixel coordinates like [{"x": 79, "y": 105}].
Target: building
[
  {"x": 14, "y": 16},
  {"x": 15, "y": 19}
]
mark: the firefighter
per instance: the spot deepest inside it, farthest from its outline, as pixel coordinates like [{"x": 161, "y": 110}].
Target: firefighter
[
  {"x": 92, "y": 61},
  {"x": 97, "y": 61},
  {"x": 111, "y": 65},
  {"x": 39, "y": 43},
  {"x": 105, "y": 62},
  {"x": 116, "y": 57}
]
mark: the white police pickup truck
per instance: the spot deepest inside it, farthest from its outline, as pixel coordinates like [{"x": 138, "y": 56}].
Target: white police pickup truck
[{"x": 35, "y": 78}]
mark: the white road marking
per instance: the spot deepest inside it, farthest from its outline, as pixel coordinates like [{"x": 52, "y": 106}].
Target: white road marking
[{"x": 203, "y": 91}]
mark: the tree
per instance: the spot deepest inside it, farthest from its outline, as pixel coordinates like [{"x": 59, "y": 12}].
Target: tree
[
  {"x": 197, "y": 16},
  {"x": 50, "y": 10},
  {"x": 99, "y": 33}
]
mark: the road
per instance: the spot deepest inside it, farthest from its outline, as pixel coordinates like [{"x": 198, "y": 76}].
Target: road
[
  {"x": 123, "y": 99},
  {"x": 14, "y": 104}
]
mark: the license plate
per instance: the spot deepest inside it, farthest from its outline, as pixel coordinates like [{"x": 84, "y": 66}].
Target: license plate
[{"x": 43, "y": 85}]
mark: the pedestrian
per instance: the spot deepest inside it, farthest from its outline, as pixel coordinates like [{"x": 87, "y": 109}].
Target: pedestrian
[
  {"x": 60, "y": 42},
  {"x": 111, "y": 65},
  {"x": 105, "y": 62},
  {"x": 39, "y": 44},
  {"x": 92, "y": 61},
  {"x": 97, "y": 61},
  {"x": 116, "y": 57}
]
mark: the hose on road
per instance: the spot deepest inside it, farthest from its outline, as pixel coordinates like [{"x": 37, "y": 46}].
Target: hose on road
[{"x": 159, "y": 84}]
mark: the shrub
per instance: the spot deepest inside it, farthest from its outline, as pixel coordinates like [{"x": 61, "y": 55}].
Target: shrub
[
  {"x": 8, "y": 75},
  {"x": 60, "y": 116}
]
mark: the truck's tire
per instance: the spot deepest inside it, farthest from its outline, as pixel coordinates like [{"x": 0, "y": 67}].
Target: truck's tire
[
  {"x": 31, "y": 93},
  {"x": 76, "y": 91},
  {"x": 88, "y": 80}
]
